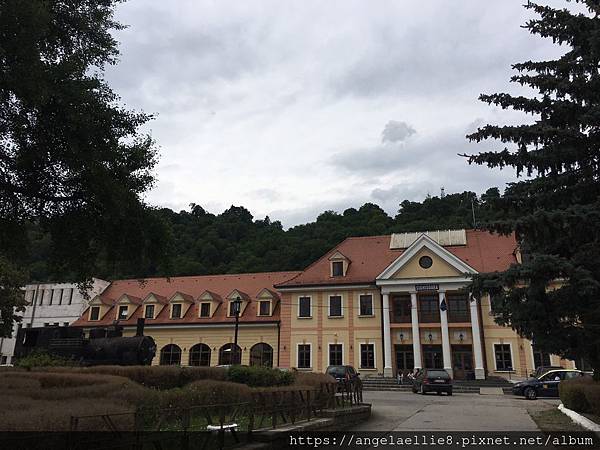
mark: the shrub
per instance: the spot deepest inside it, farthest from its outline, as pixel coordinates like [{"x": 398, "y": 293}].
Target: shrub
[
  {"x": 581, "y": 395},
  {"x": 258, "y": 376},
  {"x": 73, "y": 380},
  {"x": 42, "y": 359},
  {"x": 312, "y": 379},
  {"x": 161, "y": 377}
]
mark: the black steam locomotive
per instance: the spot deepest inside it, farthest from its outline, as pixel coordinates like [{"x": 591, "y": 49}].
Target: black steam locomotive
[{"x": 105, "y": 346}]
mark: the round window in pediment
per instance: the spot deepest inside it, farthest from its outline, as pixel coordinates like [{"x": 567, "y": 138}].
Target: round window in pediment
[{"x": 425, "y": 262}]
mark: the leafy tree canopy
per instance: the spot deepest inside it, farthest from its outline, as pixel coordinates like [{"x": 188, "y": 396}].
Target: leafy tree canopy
[
  {"x": 73, "y": 164},
  {"x": 555, "y": 211}
]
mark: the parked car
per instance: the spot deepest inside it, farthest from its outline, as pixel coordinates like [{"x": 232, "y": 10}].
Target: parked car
[
  {"x": 545, "y": 385},
  {"x": 432, "y": 380},
  {"x": 543, "y": 369},
  {"x": 344, "y": 375}
]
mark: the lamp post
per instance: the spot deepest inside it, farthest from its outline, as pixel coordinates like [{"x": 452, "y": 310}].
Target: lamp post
[{"x": 236, "y": 304}]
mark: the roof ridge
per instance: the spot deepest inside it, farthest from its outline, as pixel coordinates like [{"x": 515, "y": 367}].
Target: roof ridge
[{"x": 206, "y": 276}]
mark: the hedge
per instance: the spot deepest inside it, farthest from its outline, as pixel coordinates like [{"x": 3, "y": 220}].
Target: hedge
[
  {"x": 257, "y": 376},
  {"x": 581, "y": 395}
]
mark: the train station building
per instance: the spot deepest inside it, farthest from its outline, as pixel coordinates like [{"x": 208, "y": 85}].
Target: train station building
[{"x": 383, "y": 304}]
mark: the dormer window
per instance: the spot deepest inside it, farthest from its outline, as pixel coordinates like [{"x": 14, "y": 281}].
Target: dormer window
[
  {"x": 123, "y": 310},
  {"x": 204, "y": 309},
  {"x": 149, "y": 312},
  {"x": 95, "y": 313},
  {"x": 337, "y": 268},
  {"x": 264, "y": 308},
  {"x": 235, "y": 307},
  {"x": 176, "y": 311},
  {"x": 338, "y": 265}
]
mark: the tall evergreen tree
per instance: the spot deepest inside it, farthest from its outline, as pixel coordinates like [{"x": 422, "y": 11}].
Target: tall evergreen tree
[
  {"x": 72, "y": 160},
  {"x": 553, "y": 297}
]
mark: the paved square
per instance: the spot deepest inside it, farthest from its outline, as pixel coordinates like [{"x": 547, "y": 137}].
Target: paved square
[{"x": 405, "y": 411}]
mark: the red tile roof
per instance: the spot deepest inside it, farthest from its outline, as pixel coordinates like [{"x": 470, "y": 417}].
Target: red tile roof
[
  {"x": 194, "y": 286},
  {"x": 485, "y": 252}
]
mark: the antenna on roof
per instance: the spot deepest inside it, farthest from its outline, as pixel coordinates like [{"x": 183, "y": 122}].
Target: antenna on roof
[{"x": 442, "y": 193}]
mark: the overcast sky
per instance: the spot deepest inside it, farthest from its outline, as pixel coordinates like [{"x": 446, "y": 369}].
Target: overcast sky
[{"x": 291, "y": 108}]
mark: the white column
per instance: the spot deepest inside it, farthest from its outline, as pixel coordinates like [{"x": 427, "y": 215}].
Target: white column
[
  {"x": 445, "y": 335},
  {"x": 387, "y": 337},
  {"x": 416, "y": 334},
  {"x": 477, "y": 350}
]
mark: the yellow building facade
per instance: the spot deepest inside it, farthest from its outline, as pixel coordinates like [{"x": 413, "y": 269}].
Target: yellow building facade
[{"x": 382, "y": 304}]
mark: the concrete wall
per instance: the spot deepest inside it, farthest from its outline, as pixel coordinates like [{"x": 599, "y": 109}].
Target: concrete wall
[{"x": 55, "y": 304}]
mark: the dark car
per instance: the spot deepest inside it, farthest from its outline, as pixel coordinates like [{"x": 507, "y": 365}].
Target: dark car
[
  {"x": 543, "y": 369},
  {"x": 432, "y": 380},
  {"x": 344, "y": 375},
  {"x": 545, "y": 385}
]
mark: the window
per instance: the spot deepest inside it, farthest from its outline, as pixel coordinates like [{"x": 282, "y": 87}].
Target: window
[
  {"x": 304, "y": 356},
  {"x": 261, "y": 354},
  {"x": 149, "y": 313},
  {"x": 204, "y": 309},
  {"x": 540, "y": 358},
  {"x": 123, "y": 312},
  {"x": 304, "y": 307},
  {"x": 200, "y": 355},
  {"x": 65, "y": 324},
  {"x": 401, "y": 309},
  {"x": 405, "y": 361},
  {"x": 95, "y": 313},
  {"x": 170, "y": 355},
  {"x": 335, "y": 355},
  {"x": 176, "y": 311},
  {"x": 367, "y": 356},
  {"x": 51, "y": 297},
  {"x": 335, "y": 306},
  {"x": 503, "y": 357},
  {"x": 425, "y": 262},
  {"x": 46, "y": 324},
  {"x": 337, "y": 268},
  {"x": 264, "y": 308},
  {"x": 429, "y": 308},
  {"x": 70, "y": 296},
  {"x": 458, "y": 307},
  {"x": 233, "y": 305},
  {"x": 366, "y": 305},
  {"x": 41, "y": 296},
  {"x": 433, "y": 357},
  {"x": 230, "y": 354},
  {"x": 3, "y": 360},
  {"x": 60, "y": 297}
]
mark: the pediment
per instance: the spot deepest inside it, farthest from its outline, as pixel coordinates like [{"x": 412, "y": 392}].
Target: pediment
[
  {"x": 236, "y": 293},
  {"x": 444, "y": 263},
  {"x": 129, "y": 300},
  {"x": 338, "y": 256},
  {"x": 181, "y": 297},
  {"x": 154, "y": 298},
  {"x": 209, "y": 296},
  {"x": 267, "y": 294}
]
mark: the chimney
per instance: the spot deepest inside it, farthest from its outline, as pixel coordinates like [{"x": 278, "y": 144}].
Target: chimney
[{"x": 140, "y": 327}]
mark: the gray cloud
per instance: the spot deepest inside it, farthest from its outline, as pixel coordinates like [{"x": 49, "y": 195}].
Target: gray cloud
[
  {"x": 396, "y": 131},
  {"x": 252, "y": 96}
]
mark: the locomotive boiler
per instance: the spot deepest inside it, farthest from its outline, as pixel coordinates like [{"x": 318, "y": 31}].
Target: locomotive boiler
[{"x": 105, "y": 346}]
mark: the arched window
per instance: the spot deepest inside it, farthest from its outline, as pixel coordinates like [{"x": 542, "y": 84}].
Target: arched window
[
  {"x": 200, "y": 355},
  {"x": 170, "y": 355},
  {"x": 261, "y": 354},
  {"x": 230, "y": 354}
]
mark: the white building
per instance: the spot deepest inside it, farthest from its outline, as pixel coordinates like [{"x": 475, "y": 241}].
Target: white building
[{"x": 50, "y": 304}]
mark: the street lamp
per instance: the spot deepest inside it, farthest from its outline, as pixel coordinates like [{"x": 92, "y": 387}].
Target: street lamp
[{"x": 236, "y": 306}]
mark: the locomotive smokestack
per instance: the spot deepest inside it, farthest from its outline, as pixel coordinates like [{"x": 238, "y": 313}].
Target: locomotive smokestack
[{"x": 140, "y": 327}]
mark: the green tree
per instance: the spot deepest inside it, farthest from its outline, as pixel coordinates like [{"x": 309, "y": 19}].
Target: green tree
[
  {"x": 555, "y": 211},
  {"x": 72, "y": 161}
]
